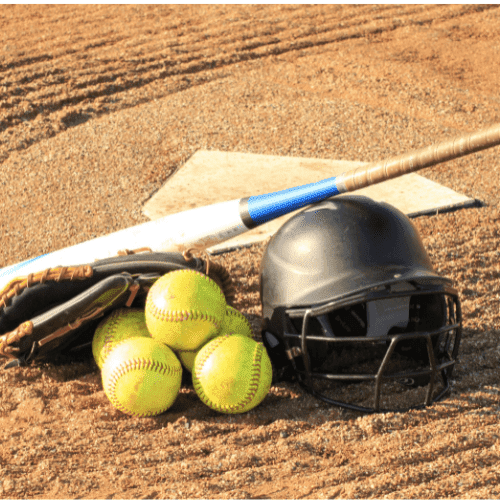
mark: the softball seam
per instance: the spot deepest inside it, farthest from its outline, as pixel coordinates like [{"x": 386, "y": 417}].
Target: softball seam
[
  {"x": 253, "y": 385},
  {"x": 109, "y": 337},
  {"x": 137, "y": 364},
  {"x": 186, "y": 315},
  {"x": 234, "y": 313}
]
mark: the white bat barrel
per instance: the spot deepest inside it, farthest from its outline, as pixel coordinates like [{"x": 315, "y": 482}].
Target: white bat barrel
[
  {"x": 200, "y": 227},
  {"x": 207, "y": 226}
]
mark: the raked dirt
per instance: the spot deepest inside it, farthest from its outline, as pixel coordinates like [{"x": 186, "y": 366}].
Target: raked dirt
[{"x": 99, "y": 105}]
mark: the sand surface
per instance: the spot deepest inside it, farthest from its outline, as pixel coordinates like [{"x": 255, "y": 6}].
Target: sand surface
[{"x": 98, "y": 107}]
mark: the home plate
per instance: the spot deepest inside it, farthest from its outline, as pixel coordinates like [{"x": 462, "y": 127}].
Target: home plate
[{"x": 213, "y": 176}]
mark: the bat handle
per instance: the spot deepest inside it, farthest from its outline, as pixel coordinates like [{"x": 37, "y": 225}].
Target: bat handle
[{"x": 422, "y": 158}]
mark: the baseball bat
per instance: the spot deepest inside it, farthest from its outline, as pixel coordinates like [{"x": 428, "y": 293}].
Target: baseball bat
[{"x": 203, "y": 227}]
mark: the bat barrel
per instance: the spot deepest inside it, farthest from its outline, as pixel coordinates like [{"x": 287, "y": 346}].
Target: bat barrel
[
  {"x": 422, "y": 158},
  {"x": 203, "y": 227}
]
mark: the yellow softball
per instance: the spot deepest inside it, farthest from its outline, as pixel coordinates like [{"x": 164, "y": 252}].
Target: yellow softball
[
  {"x": 185, "y": 309},
  {"x": 232, "y": 373},
  {"x": 119, "y": 325},
  {"x": 141, "y": 376},
  {"x": 234, "y": 322}
]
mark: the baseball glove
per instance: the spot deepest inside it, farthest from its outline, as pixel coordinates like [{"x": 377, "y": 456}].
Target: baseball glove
[{"x": 52, "y": 315}]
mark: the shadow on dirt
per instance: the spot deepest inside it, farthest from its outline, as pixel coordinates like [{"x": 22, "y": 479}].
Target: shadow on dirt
[{"x": 73, "y": 119}]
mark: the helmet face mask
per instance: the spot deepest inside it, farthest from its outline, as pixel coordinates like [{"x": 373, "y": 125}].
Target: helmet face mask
[{"x": 396, "y": 337}]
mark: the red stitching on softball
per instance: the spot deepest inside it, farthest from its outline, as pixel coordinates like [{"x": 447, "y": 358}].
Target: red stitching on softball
[
  {"x": 138, "y": 364},
  {"x": 108, "y": 338},
  {"x": 254, "y": 379},
  {"x": 184, "y": 315},
  {"x": 181, "y": 315},
  {"x": 201, "y": 362},
  {"x": 231, "y": 311}
]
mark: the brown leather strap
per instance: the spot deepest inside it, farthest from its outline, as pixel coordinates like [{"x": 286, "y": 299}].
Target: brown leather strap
[{"x": 17, "y": 285}]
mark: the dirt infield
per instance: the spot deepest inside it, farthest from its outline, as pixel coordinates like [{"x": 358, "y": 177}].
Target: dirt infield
[{"x": 100, "y": 104}]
